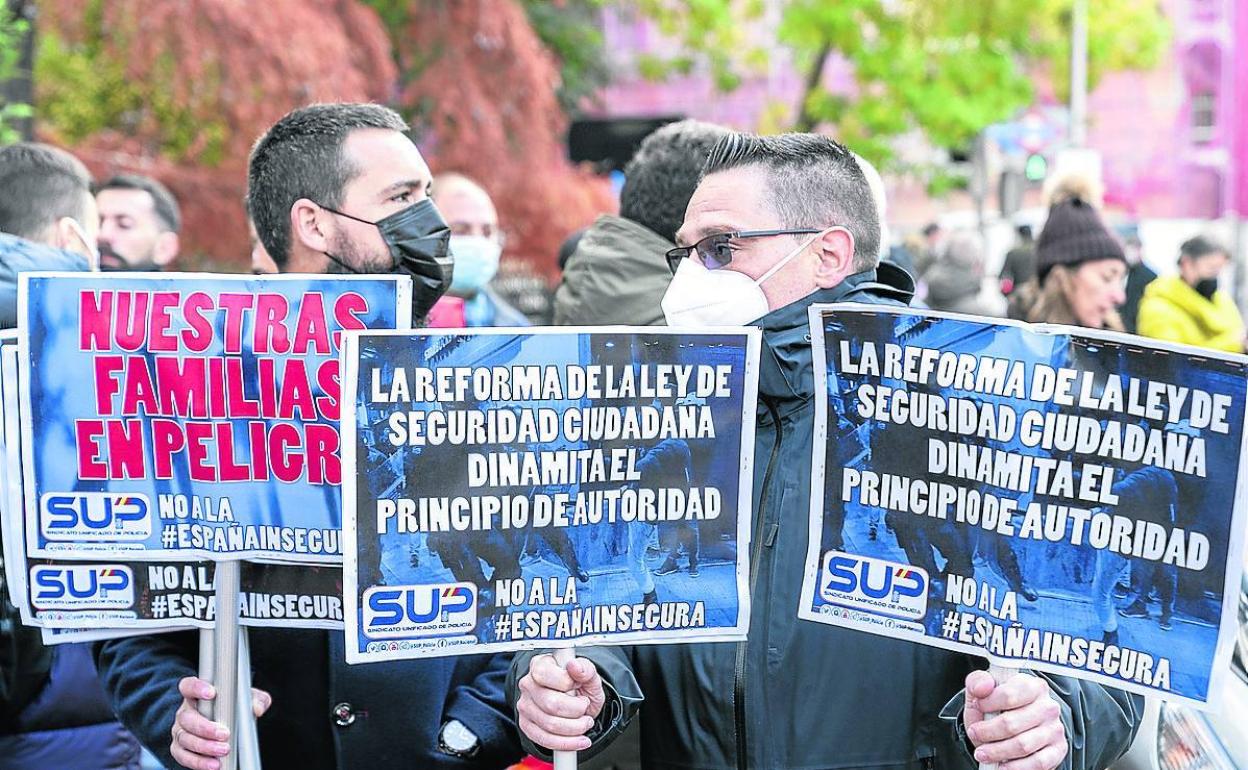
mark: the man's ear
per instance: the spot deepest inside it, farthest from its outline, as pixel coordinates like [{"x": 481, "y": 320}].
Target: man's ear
[
  {"x": 309, "y": 226},
  {"x": 834, "y": 250},
  {"x": 65, "y": 237},
  {"x": 69, "y": 235},
  {"x": 167, "y": 245}
]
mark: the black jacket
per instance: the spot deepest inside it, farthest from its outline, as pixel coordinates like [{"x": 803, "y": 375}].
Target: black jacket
[
  {"x": 800, "y": 694},
  {"x": 395, "y": 709}
]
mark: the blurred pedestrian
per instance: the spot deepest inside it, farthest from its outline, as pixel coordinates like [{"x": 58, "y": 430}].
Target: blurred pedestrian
[
  {"x": 1081, "y": 268},
  {"x": 1139, "y": 276},
  {"x": 56, "y": 714},
  {"x": 929, "y": 250},
  {"x": 139, "y": 224},
  {"x": 477, "y": 245},
  {"x": 617, "y": 274},
  {"x": 1189, "y": 307},
  {"x": 333, "y": 188},
  {"x": 955, "y": 283},
  {"x": 1020, "y": 262}
]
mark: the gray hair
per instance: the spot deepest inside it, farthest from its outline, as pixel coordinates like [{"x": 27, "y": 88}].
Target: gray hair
[
  {"x": 40, "y": 185},
  {"x": 813, "y": 182}
]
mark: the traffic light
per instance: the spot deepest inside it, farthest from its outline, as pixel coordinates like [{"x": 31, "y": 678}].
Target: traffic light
[{"x": 1036, "y": 168}]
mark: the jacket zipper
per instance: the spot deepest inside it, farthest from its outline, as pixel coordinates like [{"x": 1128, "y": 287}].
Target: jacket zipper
[{"x": 738, "y": 690}]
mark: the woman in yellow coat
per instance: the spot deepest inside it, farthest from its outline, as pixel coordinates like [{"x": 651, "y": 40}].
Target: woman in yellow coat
[{"x": 1188, "y": 307}]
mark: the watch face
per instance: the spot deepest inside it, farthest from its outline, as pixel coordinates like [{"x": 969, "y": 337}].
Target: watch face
[{"x": 458, "y": 738}]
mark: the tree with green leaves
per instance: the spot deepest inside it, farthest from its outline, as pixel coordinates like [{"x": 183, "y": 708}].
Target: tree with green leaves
[
  {"x": 13, "y": 31},
  {"x": 945, "y": 68}
]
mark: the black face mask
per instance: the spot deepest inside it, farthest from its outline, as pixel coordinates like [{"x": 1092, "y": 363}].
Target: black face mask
[
  {"x": 419, "y": 241},
  {"x": 1206, "y": 287}
]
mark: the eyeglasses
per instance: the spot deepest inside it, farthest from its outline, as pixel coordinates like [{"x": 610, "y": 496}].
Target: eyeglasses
[{"x": 715, "y": 251}]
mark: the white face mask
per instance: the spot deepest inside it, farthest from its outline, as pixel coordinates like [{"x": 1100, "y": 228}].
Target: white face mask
[
  {"x": 476, "y": 263},
  {"x": 724, "y": 297}
]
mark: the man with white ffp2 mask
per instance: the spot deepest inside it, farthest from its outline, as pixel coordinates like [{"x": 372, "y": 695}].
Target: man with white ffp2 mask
[
  {"x": 777, "y": 224},
  {"x": 742, "y": 253},
  {"x": 477, "y": 244}
]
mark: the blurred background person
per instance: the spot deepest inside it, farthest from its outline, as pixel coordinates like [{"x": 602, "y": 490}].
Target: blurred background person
[
  {"x": 1081, "y": 268},
  {"x": 477, "y": 245},
  {"x": 929, "y": 249},
  {"x": 1189, "y": 307},
  {"x": 1020, "y": 262},
  {"x": 1139, "y": 275},
  {"x": 139, "y": 224},
  {"x": 955, "y": 283},
  {"x": 617, "y": 273}
]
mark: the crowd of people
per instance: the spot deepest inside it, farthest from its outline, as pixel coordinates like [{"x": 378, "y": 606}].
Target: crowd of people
[{"x": 715, "y": 227}]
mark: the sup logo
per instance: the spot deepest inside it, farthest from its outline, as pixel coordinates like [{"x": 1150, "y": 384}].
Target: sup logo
[
  {"x": 96, "y": 516},
  {"x": 82, "y": 587},
  {"x": 882, "y": 587},
  {"x": 447, "y": 609}
]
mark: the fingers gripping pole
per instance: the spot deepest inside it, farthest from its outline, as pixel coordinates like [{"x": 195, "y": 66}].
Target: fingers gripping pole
[
  {"x": 1001, "y": 675},
  {"x": 565, "y": 760}
]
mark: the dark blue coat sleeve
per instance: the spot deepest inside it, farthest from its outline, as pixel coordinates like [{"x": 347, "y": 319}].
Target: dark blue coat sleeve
[
  {"x": 478, "y": 699},
  {"x": 140, "y": 674}
]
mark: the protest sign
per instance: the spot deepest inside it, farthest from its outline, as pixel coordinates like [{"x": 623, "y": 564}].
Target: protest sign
[
  {"x": 508, "y": 490},
  {"x": 53, "y": 636},
  {"x": 147, "y": 595},
  {"x": 160, "y": 595},
  {"x": 1023, "y": 492},
  {"x": 176, "y": 417}
]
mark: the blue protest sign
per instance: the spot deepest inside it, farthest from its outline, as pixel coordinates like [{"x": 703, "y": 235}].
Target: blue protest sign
[
  {"x": 180, "y": 416},
  {"x": 508, "y": 490},
  {"x": 1051, "y": 498}
]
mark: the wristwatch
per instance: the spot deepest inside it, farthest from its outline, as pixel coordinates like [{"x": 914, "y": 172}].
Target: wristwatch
[{"x": 458, "y": 741}]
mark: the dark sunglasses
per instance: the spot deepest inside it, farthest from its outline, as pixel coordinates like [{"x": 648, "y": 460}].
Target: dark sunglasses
[{"x": 715, "y": 251}]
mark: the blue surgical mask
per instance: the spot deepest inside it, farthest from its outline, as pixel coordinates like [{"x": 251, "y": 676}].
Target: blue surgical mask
[{"x": 476, "y": 263}]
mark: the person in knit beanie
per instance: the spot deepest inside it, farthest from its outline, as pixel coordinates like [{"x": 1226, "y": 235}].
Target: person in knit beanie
[{"x": 1080, "y": 267}]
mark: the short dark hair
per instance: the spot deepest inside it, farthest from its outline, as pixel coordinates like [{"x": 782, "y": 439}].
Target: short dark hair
[
  {"x": 930, "y": 229},
  {"x": 39, "y": 185},
  {"x": 813, "y": 182},
  {"x": 163, "y": 202},
  {"x": 1200, "y": 246},
  {"x": 664, "y": 172},
  {"x": 301, "y": 157}
]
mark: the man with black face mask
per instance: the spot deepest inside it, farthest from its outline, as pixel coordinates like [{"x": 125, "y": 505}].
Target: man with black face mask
[
  {"x": 341, "y": 188},
  {"x": 333, "y": 188},
  {"x": 1189, "y": 307}
]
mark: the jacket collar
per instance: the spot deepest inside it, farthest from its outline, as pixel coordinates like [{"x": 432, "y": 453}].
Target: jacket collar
[{"x": 786, "y": 371}]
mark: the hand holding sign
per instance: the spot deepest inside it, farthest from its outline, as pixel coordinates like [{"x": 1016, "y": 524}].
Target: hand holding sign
[
  {"x": 558, "y": 705},
  {"x": 1015, "y": 724},
  {"x": 197, "y": 741}
]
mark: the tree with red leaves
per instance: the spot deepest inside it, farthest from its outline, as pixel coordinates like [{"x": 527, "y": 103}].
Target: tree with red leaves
[{"x": 180, "y": 89}]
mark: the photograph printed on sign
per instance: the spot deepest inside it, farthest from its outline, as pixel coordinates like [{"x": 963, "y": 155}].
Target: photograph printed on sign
[
  {"x": 176, "y": 416},
  {"x": 512, "y": 490},
  {"x": 1049, "y": 497}
]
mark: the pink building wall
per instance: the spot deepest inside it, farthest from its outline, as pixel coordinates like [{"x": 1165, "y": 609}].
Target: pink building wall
[{"x": 1239, "y": 101}]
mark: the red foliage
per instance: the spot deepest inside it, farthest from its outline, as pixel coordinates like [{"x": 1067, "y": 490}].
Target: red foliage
[
  {"x": 483, "y": 94},
  {"x": 238, "y": 63}
]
